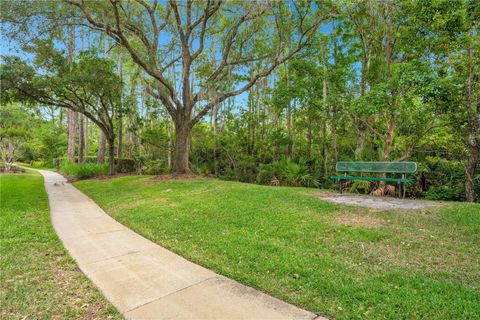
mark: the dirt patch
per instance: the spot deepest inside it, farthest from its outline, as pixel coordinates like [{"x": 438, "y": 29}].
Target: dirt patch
[
  {"x": 113, "y": 176},
  {"x": 380, "y": 203},
  {"x": 101, "y": 177},
  {"x": 12, "y": 169},
  {"x": 356, "y": 220},
  {"x": 174, "y": 176}
]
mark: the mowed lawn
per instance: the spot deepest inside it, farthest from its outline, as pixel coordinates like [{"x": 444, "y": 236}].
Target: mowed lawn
[
  {"x": 338, "y": 261},
  {"x": 38, "y": 280}
]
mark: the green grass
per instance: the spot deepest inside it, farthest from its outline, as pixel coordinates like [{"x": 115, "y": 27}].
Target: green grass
[
  {"x": 38, "y": 278},
  {"x": 37, "y": 165},
  {"x": 83, "y": 170},
  {"x": 338, "y": 261}
]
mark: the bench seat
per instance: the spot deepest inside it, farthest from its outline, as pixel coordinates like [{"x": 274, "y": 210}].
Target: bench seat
[{"x": 372, "y": 179}]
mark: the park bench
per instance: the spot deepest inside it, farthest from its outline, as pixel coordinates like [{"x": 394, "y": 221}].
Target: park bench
[{"x": 396, "y": 168}]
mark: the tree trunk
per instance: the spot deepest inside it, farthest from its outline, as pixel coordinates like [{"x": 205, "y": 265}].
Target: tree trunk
[
  {"x": 473, "y": 124},
  {"x": 334, "y": 134},
  {"x": 294, "y": 125},
  {"x": 86, "y": 136},
  {"x": 324, "y": 150},
  {"x": 470, "y": 169},
  {"x": 361, "y": 135},
  {"x": 71, "y": 135},
  {"x": 215, "y": 138},
  {"x": 81, "y": 138},
  {"x": 120, "y": 137},
  {"x": 4, "y": 157},
  {"x": 111, "y": 156},
  {"x": 181, "y": 148},
  {"x": 309, "y": 137},
  {"x": 334, "y": 100},
  {"x": 361, "y": 123},
  {"x": 11, "y": 154},
  {"x": 101, "y": 148},
  {"x": 120, "y": 116},
  {"x": 72, "y": 130},
  {"x": 389, "y": 139},
  {"x": 169, "y": 143}
]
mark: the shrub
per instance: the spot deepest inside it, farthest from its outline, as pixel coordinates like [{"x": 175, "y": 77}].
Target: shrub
[
  {"x": 245, "y": 170},
  {"x": 155, "y": 167},
  {"x": 83, "y": 170},
  {"x": 41, "y": 164},
  {"x": 441, "y": 193},
  {"x": 288, "y": 172},
  {"x": 57, "y": 162},
  {"x": 360, "y": 186},
  {"x": 203, "y": 170},
  {"x": 124, "y": 165},
  {"x": 267, "y": 173},
  {"x": 296, "y": 173},
  {"x": 445, "y": 179}
]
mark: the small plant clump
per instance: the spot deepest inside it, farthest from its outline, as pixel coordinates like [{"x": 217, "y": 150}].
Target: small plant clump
[{"x": 83, "y": 170}]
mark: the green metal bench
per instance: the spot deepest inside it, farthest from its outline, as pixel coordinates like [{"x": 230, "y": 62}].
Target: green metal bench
[{"x": 399, "y": 168}]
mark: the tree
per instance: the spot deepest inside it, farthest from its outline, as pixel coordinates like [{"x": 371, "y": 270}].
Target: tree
[
  {"x": 68, "y": 86},
  {"x": 13, "y": 130}
]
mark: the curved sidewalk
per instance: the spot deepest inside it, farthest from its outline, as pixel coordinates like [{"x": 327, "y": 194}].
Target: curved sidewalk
[{"x": 144, "y": 280}]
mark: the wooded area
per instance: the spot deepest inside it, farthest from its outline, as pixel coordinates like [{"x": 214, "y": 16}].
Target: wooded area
[{"x": 272, "y": 92}]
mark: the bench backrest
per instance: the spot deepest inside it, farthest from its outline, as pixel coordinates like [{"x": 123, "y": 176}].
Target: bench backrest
[{"x": 380, "y": 167}]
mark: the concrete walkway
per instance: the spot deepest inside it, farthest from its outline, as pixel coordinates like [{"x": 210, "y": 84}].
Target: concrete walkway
[{"x": 144, "y": 280}]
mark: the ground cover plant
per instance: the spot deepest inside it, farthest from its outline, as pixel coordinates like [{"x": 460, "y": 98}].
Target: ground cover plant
[
  {"x": 36, "y": 165},
  {"x": 83, "y": 170},
  {"x": 338, "y": 261},
  {"x": 38, "y": 278}
]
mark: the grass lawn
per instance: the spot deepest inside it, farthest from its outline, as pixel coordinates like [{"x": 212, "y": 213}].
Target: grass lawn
[
  {"x": 27, "y": 165},
  {"x": 338, "y": 261},
  {"x": 38, "y": 278}
]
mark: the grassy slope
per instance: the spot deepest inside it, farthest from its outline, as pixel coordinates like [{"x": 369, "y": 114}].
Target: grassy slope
[
  {"x": 38, "y": 279},
  {"x": 338, "y": 261}
]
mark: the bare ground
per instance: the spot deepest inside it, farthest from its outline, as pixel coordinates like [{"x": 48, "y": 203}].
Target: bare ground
[
  {"x": 381, "y": 203},
  {"x": 356, "y": 220}
]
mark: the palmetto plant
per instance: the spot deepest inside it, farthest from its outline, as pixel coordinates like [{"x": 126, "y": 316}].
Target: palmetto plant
[{"x": 295, "y": 173}]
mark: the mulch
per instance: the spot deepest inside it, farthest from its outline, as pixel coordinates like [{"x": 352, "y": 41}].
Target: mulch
[
  {"x": 113, "y": 176},
  {"x": 12, "y": 169}
]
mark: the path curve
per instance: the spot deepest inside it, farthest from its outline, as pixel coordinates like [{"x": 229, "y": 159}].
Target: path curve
[{"x": 144, "y": 280}]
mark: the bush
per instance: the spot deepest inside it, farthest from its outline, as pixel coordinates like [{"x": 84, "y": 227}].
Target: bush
[
  {"x": 57, "y": 162},
  {"x": 41, "y": 164},
  {"x": 445, "y": 179},
  {"x": 123, "y": 165},
  {"x": 203, "y": 170},
  {"x": 267, "y": 173},
  {"x": 290, "y": 173},
  {"x": 244, "y": 170},
  {"x": 155, "y": 167},
  {"x": 441, "y": 193},
  {"x": 83, "y": 170},
  {"x": 360, "y": 186}
]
